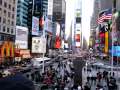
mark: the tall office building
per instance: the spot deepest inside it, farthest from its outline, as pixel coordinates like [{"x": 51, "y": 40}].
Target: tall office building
[
  {"x": 99, "y": 5},
  {"x": 7, "y": 27},
  {"x": 7, "y": 17},
  {"x": 22, "y": 12},
  {"x": 36, "y": 8},
  {"x": 59, "y": 9}
]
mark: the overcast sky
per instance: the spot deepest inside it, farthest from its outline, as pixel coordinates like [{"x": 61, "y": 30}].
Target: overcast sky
[{"x": 87, "y": 9}]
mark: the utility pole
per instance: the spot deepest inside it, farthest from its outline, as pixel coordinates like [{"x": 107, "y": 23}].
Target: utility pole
[{"x": 113, "y": 11}]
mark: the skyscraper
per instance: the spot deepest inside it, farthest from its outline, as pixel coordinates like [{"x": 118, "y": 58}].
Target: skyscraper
[
  {"x": 7, "y": 27},
  {"x": 22, "y": 12},
  {"x": 7, "y": 17},
  {"x": 59, "y": 9}
]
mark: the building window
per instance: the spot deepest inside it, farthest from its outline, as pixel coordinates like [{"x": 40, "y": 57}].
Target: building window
[
  {"x": 9, "y": 6},
  {"x": 0, "y": 27},
  {"x": 12, "y": 23},
  {"x": 8, "y": 22},
  {"x": 8, "y": 30},
  {"x": 5, "y": 4},
  {"x": 4, "y": 12},
  {"x": 0, "y": 2},
  {"x": 9, "y": 14},
  {"x": 0, "y": 10},
  {"x": 12, "y": 16},
  {"x": 11, "y": 31},
  {"x": 0, "y": 19},
  {"x": 13, "y": 1},
  {"x": 13, "y": 9},
  {"x": 4, "y": 28},
  {"x": 4, "y": 20},
  {"x": 2, "y": 37}
]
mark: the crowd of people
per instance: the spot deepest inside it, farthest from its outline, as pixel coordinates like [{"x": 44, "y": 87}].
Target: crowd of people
[
  {"x": 57, "y": 77},
  {"x": 101, "y": 79}
]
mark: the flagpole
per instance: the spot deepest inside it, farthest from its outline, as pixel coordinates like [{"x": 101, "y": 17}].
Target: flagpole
[{"x": 112, "y": 53}]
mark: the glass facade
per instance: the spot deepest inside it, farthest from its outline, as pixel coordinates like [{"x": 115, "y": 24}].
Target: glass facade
[{"x": 22, "y": 14}]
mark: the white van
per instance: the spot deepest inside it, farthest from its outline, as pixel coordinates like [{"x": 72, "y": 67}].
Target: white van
[{"x": 38, "y": 62}]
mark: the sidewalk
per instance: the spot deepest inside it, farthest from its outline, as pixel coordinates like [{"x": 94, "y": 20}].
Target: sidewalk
[{"x": 93, "y": 86}]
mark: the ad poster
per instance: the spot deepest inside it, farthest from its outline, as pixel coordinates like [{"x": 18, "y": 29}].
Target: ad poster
[
  {"x": 21, "y": 40},
  {"x": 38, "y": 45},
  {"x": 35, "y": 26}
]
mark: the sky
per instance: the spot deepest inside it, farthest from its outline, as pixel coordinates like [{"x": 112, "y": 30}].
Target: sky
[
  {"x": 87, "y": 9},
  {"x": 69, "y": 16}
]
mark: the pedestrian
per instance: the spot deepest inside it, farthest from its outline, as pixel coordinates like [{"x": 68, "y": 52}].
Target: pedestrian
[
  {"x": 84, "y": 69},
  {"x": 79, "y": 87},
  {"x": 92, "y": 80},
  {"x": 87, "y": 86},
  {"x": 88, "y": 78},
  {"x": 113, "y": 74}
]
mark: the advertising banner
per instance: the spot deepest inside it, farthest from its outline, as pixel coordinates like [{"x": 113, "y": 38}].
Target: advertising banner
[
  {"x": 50, "y": 7},
  {"x": 35, "y": 26},
  {"x": 116, "y": 51},
  {"x": 106, "y": 42},
  {"x": 57, "y": 29},
  {"x": 38, "y": 45},
  {"x": 21, "y": 40}
]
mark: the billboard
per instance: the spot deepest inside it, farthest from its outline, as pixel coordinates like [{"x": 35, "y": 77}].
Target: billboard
[
  {"x": 57, "y": 29},
  {"x": 116, "y": 51},
  {"x": 35, "y": 26},
  {"x": 7, "y": 47},
  {"x": 48, "y": 26},
  {"x": 50, "y": 7},
  {"x": 21, "y": 40},
  {"x": 38, "y": 45}
]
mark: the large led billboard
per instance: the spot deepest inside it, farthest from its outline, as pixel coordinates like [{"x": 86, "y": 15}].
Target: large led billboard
[{"x": 35, "y": 26}]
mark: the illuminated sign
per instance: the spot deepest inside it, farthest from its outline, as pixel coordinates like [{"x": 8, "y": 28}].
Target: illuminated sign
[
  {"x": 7, "y": 49},
  {"x": 35, "y": 26}
]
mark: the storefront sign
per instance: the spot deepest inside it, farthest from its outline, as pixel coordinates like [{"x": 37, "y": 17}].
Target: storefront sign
[
  {"x": 25, "y": 53},
  {"x": 7, "y": 49}
]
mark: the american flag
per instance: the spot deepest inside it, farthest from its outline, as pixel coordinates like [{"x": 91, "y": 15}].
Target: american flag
[{"x": 106, "y": 15}]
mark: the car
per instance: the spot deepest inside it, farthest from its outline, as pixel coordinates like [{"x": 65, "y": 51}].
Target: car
[{"x": 38, "y": 62}]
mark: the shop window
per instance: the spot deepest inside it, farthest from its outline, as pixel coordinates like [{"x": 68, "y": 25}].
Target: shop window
[{"x": 2, "y": 37}]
